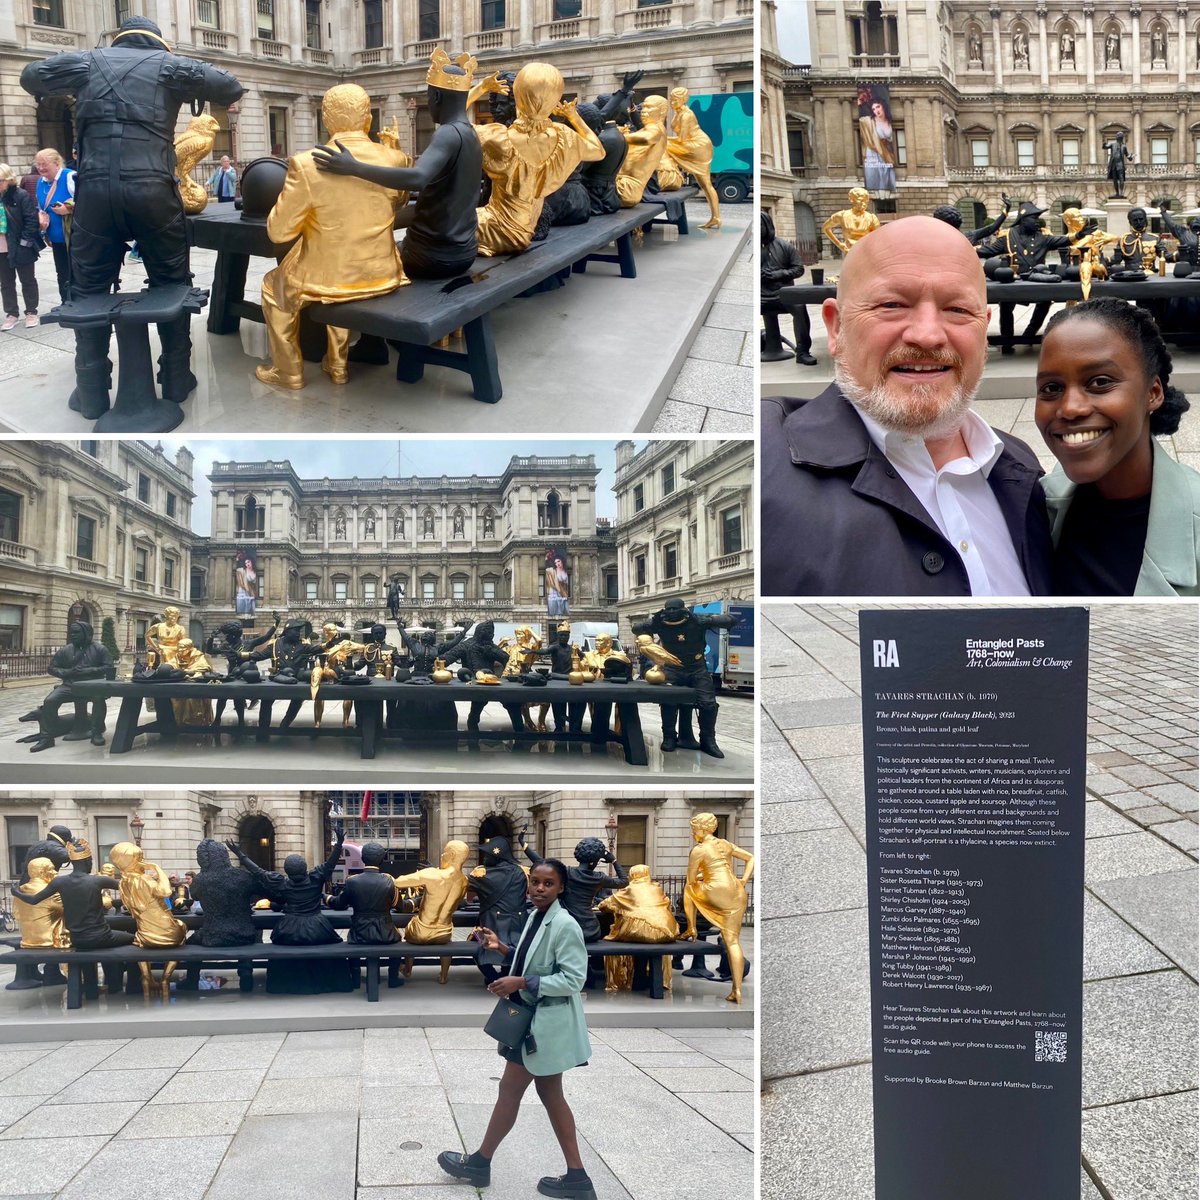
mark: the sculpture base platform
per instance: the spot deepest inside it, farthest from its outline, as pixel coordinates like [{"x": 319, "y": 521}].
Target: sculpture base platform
[{"x": 1118, "y": 208}]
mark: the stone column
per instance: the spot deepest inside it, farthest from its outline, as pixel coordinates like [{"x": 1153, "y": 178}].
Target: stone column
[
  {"x": 997, "y": 61},
  {"x": 397, "y": 31},
  {"x": 525, "y": 25},
  {"x": 608, "y": 17},
  {"x": 1043, "y": 47},
  {"x": 1092, "y": 147},
  {"x": 1181, "y": 131},
  {"x": 1001, "y": 137},
  {"x": 1137, "y": 149},
  {"x": 354, "y": 526},
  {"x": 456, "y": 28},
  {"x": 245, "y": 28},
  {"x": 1089, "y": 44},
  {"x": 1135, "y": 13},
  {"x": 910, "y": 129},
  {"x": 704, "y": 14},
  {"x": 1182, "y": 48},
  {"x": 1047, "y": 145}
]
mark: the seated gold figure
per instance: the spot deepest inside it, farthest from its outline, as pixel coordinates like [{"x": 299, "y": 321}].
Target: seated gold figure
[
  {"x": 645, "y": 148},
  {"x": 41, "y": 925},
  {"x": 144, "y": 887},
  {"x": 194, "y": 664},
  {"x": 714, "y": 890},
  {"x": 641, "y": 913},
  {"x": 442, "y": 888},
  {"x": 163, "y": 638},
  {"x": 691, "y": 149},
  {"x": 346, "y": 247},
  {"x": 530, "y": 158}
]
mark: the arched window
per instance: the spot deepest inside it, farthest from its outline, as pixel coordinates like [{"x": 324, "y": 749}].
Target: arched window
[
  {"x": 250, "y": 518},
  {"x": 807, "y": 240},
  {"x": 974, "y": 212}
]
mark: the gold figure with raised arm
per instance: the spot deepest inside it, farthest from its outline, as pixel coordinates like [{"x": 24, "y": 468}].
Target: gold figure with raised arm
[
  {"x": 442, "y": 889},
  {"x": 714, "y": 890},
  {"x": 1087, "y": 240},
  {"x": 641, "y": 913},
  {"x": 530, "y": 158},
  {"x": 644, "y": 151},
  {"x": 194, "y": 145},
  {"x": 144, "y": 887},
  {"x": 163, "y": 638},
  {"x": 41, "y": 925},
  {"x": 855, "y": 222},
  {"x": 692, "y": 150}
]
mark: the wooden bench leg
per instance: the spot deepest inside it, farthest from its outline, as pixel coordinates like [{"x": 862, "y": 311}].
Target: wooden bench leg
[
  {"x": 656, "y": 977},
  {"x": 91, "y": 981},
  {"x": 228, "y": 287},
  {"x": 127, "y": 725},
  {"x": 263, "y": 733},
  {"x": 164, "y": 712},
  {"x": 632, "y": 741},
  {"x": 625, "y": 256},
  {"x": 481, "y": 360},
  {"x": 373, "y": 979},
  {"x": 370, "y": 717},
  {"x": 245, "y": 970},
  {"x": 1007, "y": 311},
  {"x": 74, "y": 985},
  {"x": 682, "y": 223},
  {"x": 410, "y": 364}
]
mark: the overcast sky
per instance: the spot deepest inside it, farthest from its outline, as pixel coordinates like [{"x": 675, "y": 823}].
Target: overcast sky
[
  {"x": 344, "y": 459},
  {"x": 792, "y": 26}
]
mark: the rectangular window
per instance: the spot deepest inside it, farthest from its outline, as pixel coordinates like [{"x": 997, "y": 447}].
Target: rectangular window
[
  {"x": 170, "y": 504},
  {"x": 22, "y": 835},
  {"x": 310, "y": 590},
  {"x": 339, "y": 590},
  {"x": 266, "y": 20},
  {"x": 278, "y": 121},
  {"x": 979, "y": 152},
  {"x": 1160, "y": 151},
  {"x": 429, "y": 20},
  {"x": 631, "y": 841},
  {"x": 429, "y": 589},
  {"x": 121, "y": 11},
  {"x": 110, "y": 831},
  {"x": 1024, "y": 152},
  {"x": 564, "y": 10},
  {"x": 85, "y": 538},
  {"x": 489, "y": 589},
  {"x": 731, "y": 531},
  {"x": 312, "y": 24},
  {"x": 373, "y": 12},
  {"x": 796, "y": 147},
  {"x": 168, "y": 572},
  {"x": 369, "y": 586},
  {"x": 92, "y": 449},
  {"x": 143, "y": 488},
  {"x": 639, "y": 570},
  {"x": 668, "y": 479},
  {"x": 12, "y": 627},
  {"x": 670, "y": 560},
  {"x": 901, "y": 146},
  {"x": 10, "y": 517},
  {"x": 1198, "y": 152},
  {"x": 458, "y": 589},
  {"x": 208, "y": 13},
  {"x": 48, "y": 12},
  {"x": 491, "y": 14},
  {"x": 639, "y": 497},
  {"x": 610, "y": 585},
  {"x": 139, "y": 633},
  {"x": 141, "y": 569}
]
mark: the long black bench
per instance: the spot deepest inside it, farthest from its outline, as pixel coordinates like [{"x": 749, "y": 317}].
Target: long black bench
[
  {"x": 674, "y": 207},
  {"x": 369, "y": 720}
]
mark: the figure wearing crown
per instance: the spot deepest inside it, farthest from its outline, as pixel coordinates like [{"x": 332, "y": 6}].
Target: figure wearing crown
[{"x": 441, "y": 239}]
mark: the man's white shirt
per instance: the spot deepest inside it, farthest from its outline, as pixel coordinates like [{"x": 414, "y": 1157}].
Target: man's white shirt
[{"x": 960, "y": 501}]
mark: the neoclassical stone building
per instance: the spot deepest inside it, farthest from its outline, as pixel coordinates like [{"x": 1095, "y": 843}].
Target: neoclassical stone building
[
  {"x": 1016, "y": 97},
  {"x": 288, "y": 52},
  {"x": 461, "y": 546},
  {"x": 91, "y": 530}
]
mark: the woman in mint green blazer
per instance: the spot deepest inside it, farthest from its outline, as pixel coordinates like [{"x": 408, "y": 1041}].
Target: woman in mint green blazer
[
  {"x": 547, "y": 967},
  {"x": 1124, "y": 515}
]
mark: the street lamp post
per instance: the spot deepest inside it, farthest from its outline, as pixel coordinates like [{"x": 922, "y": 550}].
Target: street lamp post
[
  {"x": 136, "y": 825},
  {"x": 610, "y": 832}
]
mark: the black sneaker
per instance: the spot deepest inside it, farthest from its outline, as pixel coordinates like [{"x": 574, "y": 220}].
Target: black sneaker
[
  {"x": 566, "y": 1189},
  {"x": 457, "y": 1165}
]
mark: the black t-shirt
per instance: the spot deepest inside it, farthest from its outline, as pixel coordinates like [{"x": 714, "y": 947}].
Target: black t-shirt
[{"x": 1100, "y": 550}]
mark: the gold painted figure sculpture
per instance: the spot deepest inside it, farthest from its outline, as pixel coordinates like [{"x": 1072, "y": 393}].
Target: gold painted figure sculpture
[
  {"x": 144, "y": 887},
  {"x": 641, "y": 913},
  {"x": 163, "y": 638},
  {"x": 714, "y": 890},
  {"x": 692, "y": 149},
  {"x": 345, "y": 241},
  {"x": 41, "y": 925},
  {"x": 594, "y": 660},
  {"x": 106, "y": 897},
  {"x": 660, "y": 657},
  {"x": 1085, "y": 248},
  {"x": 530, "y": 158},
  {"x": 442, "y": 888},
  {"x": 855, "y": 222},
  {"x": 194, "y": 145},
  {"x": 644, "y": 151},
  {"x": 195, "y": 665}
]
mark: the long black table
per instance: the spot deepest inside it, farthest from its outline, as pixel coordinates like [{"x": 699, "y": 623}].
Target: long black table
[{"x": 369, "y": 700}]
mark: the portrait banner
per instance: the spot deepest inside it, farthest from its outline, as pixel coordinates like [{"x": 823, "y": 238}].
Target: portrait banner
[
  {"x": 558, "y": 582},
  {"x": 878, "y": 138},
  {"x": 245, "y": 582}
]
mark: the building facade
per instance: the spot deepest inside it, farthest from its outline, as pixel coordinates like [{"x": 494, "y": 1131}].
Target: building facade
[
  {"x": 776, "y": 183},
  {"x": 286, "y": 53},
  {"x": 1017, "y": 97},
  {"x": 685, "y": 524},
  {"x": 465, "y": 547},
  {"x": 89, "y": 531}
]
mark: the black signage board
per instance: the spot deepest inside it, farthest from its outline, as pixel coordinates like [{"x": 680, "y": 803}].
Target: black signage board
[{"x": 974, "y": 738}]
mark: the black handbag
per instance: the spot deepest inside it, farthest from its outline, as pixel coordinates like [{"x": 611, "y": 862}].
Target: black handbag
[{"x": 510, "y": 1021}]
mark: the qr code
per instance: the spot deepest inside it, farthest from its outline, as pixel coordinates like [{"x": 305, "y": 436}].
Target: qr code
[{"x": 1049, "y": 1046}]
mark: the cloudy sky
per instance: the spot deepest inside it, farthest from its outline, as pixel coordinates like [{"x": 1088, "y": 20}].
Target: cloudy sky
[
  {"x": 343, "y": 459},
  {"x": 792, "y": 26}
]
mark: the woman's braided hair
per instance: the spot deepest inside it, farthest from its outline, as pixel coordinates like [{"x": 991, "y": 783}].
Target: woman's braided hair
[{"x": 1138, "y": 327}]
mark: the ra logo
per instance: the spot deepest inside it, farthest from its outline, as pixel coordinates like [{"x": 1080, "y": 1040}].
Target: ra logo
[{"x": 885, "y": 653}]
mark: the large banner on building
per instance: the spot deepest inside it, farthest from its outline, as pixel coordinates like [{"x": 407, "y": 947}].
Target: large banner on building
[
  {"x": 877, "y": 137},
  {"x": 558, "y": 582},
  {"x": 245, "y": 582}
]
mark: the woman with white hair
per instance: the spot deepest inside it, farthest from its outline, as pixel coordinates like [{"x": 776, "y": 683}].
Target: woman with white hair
[{"x": 20, "y": 243}]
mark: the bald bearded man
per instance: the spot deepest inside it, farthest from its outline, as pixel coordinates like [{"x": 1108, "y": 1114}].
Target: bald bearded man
[{"x": 888, "y": 484}]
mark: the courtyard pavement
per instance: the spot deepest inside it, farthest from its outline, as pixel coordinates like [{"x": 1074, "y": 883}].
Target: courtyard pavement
[
  {"x": 362, "y": 1114},
  {"x": 597, "y": 356},
  {"x": 1140, "y": 908}
]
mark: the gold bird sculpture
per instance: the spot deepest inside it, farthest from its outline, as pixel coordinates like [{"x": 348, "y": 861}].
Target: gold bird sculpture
[{"x": 194, "y": 145}]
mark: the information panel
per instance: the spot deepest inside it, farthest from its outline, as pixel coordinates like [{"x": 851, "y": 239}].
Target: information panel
[{"x": 974, "y": 737}]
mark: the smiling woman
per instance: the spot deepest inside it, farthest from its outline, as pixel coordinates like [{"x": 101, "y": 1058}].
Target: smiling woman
[{"x": 1122, "y": 510}]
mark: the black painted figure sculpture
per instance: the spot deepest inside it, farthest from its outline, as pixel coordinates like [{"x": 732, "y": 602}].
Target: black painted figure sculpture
[
  {"x": 80, "y": 659},
  {"x": 502, "y": 888},
  {"x": 227, "y": 641},
  {"x": 1187, "y": 260},
  {"x": 83, "y": 908},
  {"x": 618, "y": 106},
  {"x": 1135, "y": 250},
  {"x": 780, "y": 266},
  {"x": 480, "y": 653},
  {"x": 127, "y": 101},
  {"x": 423, "y": 649},
  {"x": 951, "y": 215},
  {"x": 441, "y": 239},
  {"x": 503, "y": 103},
  {"x": 1021, "y": 249},
  {"x": 227, "y": 898},
  {"x": 299, "y": 892},
  {"x": 561, "y": 654},
  {"x": 683, "y": 633},
  {"x": 600, "y": 178},
  {"x": 54, "y": 847},
  {"x": 1118, "y": 152},
  {"x": 370, "y": 896},
  {"x": 393, "y": 599}
]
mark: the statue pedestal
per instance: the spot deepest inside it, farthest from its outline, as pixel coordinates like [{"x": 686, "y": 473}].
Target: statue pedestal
[{"x": 1118, "y": 215}]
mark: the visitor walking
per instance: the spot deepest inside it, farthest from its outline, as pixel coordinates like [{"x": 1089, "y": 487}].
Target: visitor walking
[
  {"x": 223, "y": 181},
  {"x": 20, "y": 243},
  {"x": 56, "y": 199}
]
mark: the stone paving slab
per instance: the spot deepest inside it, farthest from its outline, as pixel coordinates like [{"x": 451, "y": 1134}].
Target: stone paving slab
[
  {"x": 67, "y": 1120},
  {"x": 144, "y": 1165},
  {"x": 39, "y": 1163},
  {"x": 1181, "y": 834},
  {"x": 1103, "y": 821},
  {"x": 317, "y": 1148},
  {"x": 1131, "y": 855},
  {"x": 798, "y": 816},
  {"x": 823, "y": 871},
  {"x": 1111, "y": 947},
  {"x": 201, "y": 1086},
  {"x": 1163, "y": 908},
  {"x": 1145, "y": 1149},
  {"x": 188, "y": 1119}
]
